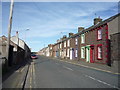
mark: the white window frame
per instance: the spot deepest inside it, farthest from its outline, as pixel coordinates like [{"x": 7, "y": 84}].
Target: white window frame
[
  {"x": 76, "y": 41},
  {"x": 99, "y": 52},
  {"x": 64, "y": 43},
  {"x": 68, "y": 52},
  {"x": 64, "y": 52},
  {"x": 82, "y": 38},
  {"x": 60, "y": 45},
  {"x": 68, "y": 43},
  {"x": 99, "y": 36},
  {"x": 76, "y": 53},
  {"x": 82, "y": 52}
]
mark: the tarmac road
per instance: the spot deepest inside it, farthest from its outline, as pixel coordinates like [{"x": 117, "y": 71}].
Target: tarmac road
[{"x": 49, "y": 73}]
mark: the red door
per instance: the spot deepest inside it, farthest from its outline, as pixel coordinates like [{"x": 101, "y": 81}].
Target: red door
[{"x": 91, "y": 53}]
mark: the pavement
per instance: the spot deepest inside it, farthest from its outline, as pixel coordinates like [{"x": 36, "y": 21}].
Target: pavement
[
  {"x": 46, "y": 72},
  {"x": 96, "y": 66},
  {"x": 15, "y": 77}
]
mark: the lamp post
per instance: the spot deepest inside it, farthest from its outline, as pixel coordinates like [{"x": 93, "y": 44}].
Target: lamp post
[{"x": 9, "y": 31}]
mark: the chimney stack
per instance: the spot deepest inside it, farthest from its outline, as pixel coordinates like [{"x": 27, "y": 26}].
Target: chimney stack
[
  {"x": 17, "y": 34},
  {"x": 64, "y": 37},
  {"x": 71, "y": 34},
  {"x": 58, "y": 40},
  {"x": 97, "y": 20},
  {"x": 80, "y": 29}
]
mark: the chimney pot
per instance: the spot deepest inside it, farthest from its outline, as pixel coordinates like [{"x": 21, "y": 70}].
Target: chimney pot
[
  {"x": 71, "y": 34},
  {"x": 80, "y": 29},
  {"x": 17, "y": 34},
  {"x": 97, "y": 20},
  {"x": 64, "y": 37}
]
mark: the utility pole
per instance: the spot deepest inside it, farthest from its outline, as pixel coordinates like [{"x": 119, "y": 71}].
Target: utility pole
[{"x": 9, "y": 30}]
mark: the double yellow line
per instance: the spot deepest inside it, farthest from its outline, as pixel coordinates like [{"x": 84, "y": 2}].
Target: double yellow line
[{"x": 32, "y": 73}]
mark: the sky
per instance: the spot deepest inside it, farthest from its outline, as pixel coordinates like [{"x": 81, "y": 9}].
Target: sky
[{"x": 46, "y": 20}]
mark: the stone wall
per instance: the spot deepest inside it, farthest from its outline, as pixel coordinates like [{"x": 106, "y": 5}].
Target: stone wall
[{"x": 115, "y": 50}]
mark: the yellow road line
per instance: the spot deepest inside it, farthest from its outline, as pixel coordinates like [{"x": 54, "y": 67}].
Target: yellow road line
[
  {"x": 30, "y": 80},
  {"x": 30, "y": 86},
  {"x": 91, "y": 67},
  {"x": 22, "y": 69},
  {"x": 22, "y": 83}
]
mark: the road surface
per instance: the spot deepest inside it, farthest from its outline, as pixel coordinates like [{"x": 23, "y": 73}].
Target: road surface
[{"x": 45, "y": 72}]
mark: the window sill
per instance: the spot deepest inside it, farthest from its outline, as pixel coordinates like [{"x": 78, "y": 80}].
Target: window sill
[
  {"x": 99, "y": 39},
  {"x": 99, "y": 58},
  {"x": 82, "y": 58}
]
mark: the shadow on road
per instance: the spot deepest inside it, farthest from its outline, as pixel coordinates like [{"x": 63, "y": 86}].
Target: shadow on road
[{"x": 14, "y": 68}]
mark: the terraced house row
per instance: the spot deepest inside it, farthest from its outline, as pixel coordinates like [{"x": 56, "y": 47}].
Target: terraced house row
[{"x": 99, "y": 43}]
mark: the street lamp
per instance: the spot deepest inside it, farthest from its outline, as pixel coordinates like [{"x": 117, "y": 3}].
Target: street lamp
[{"x": 9, "y": 32}]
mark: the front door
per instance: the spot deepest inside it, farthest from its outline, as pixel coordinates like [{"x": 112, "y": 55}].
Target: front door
[
  {"x": 92, "y": 54},
  {"x": 87, "y": 53}
]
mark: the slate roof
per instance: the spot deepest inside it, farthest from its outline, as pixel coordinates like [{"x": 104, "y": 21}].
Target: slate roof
[{"x": 92, "y": 27}]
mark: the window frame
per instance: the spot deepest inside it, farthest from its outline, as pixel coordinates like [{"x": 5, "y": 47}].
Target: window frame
[
  {"x": 60, "y": 45},
  {"x": 68, "y": 52},
  {"x": 76, "y": 53},
  {"x": 64, "y": 43},
  {"x": 68, "y": 42},
  {"x": 76, "y": 41},
  {"x": 100, "y": 45},
  {"x": 100, "y": 29},
  {"x": 82, "y": 38},
  {"x": 83, "y": 53}
]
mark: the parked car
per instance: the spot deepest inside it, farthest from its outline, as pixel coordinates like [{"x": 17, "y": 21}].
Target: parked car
[{"x": 33, "y": 56}]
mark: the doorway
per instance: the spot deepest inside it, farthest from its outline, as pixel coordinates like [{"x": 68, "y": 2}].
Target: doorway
[{"x": 88, "y": 53}]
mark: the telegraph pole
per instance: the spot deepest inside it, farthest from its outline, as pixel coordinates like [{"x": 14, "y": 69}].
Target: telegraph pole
[{"x": 9, "y": 29}]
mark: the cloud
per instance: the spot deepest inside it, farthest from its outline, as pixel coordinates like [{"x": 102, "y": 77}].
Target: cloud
[
  {"x": 53, "y": 17},
  {"x": 48, "y": 20},
  {"x": 34, "y": 42}
]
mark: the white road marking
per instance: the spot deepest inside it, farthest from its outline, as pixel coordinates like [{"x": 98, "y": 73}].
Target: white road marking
[
  {"x": 68, "y": 68},
  {"x": 101, "y": 81},
  {"x": 57, "y": 63}
]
